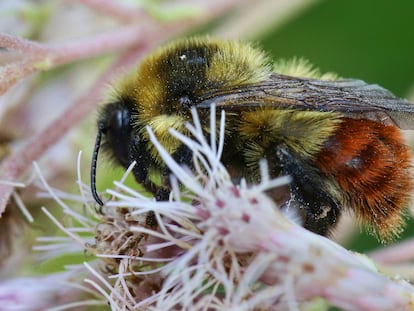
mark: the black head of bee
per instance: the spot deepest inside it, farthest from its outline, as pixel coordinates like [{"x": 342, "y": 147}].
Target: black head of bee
[{"x": 114, "y": 129}]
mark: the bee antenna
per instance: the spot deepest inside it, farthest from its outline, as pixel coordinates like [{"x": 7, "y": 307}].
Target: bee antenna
[{"x": 93, "y": 164}]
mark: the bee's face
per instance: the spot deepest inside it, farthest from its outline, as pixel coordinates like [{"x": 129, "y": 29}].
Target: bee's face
[{"x": 332, "y": 137}]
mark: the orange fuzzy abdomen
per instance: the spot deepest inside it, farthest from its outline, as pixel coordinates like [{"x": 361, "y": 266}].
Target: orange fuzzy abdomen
[{"x": 370, "y": 163}]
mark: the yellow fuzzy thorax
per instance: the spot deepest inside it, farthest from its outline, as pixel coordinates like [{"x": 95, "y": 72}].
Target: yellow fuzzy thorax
[{"x": 264, "y": 127}]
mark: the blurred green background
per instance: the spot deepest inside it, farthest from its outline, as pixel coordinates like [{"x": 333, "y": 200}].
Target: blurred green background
[{"x": 369, "y": 40}]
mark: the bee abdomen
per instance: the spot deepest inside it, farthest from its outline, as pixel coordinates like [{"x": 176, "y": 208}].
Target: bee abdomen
[{"x": 371, "y": 163}]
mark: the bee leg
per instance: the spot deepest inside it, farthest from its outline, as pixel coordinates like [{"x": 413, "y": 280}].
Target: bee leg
[
  {"x": 184, "y": 157},
  {"x": 161, "y": 194},
  {"x": 308, "y": 189},
  {"x": 138, "y": 152}
]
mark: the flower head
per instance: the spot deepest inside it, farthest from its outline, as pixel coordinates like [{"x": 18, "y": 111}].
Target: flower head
[{"x": 218, "y": 245}]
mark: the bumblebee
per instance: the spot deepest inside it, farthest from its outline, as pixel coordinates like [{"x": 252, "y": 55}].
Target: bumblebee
[{"x": 338, "y": 139}]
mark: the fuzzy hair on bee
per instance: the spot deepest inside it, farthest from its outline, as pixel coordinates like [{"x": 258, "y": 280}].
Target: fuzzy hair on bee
[{"x": 338, "y": 139}]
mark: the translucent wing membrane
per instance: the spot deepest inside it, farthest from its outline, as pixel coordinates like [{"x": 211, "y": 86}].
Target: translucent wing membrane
[{"x": 353, "y": 98}]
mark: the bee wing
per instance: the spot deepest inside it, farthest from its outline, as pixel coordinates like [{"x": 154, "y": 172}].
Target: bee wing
[{"x": 353, "y": 98}]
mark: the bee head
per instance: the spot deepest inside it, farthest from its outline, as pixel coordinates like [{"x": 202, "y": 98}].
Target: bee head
[{"x": 114, "y": 132}]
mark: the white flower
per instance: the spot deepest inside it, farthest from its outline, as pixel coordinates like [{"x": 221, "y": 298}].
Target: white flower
[{"x": 221, "y": 246}]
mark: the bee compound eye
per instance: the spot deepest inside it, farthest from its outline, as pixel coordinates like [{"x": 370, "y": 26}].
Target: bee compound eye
[
  {"x": 119, "y": 122},
  {"x": 118, "y": 135}
]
